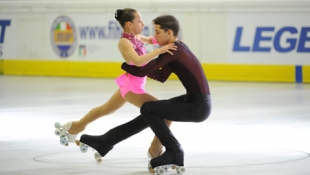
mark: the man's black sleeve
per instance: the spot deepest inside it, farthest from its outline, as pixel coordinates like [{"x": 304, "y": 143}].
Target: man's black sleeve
[{"x": 161, "y": 62}]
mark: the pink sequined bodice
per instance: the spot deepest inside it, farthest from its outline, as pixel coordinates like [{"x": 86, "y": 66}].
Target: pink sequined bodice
[
  {"x": 138, "y": 45},
  {"x": 126, "y": 81}
]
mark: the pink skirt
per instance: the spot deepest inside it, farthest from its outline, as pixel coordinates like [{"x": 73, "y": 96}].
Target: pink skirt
[{"x": 127, "y": 82}]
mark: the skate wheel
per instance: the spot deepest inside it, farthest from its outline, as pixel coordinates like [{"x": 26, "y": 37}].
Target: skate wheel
[
  {"x": 97, "y": 155},
  {"x": 166, "y": 168},
  {"x": 83, "y": 148},
  {"x": 63, "y": 134},
  {"x": 57, "y": 125},
  {"x": 57, "y": 132},
  {"x": 99, "y": 160},
  {"x": 64, "y": 141},
  {"x": 160, "y": 170},
  {"x": 180, "y": 170}
]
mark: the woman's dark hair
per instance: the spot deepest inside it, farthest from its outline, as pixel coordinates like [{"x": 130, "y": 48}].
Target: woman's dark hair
[
  {"x": 168, "y": 22},
  {"x": 125, "y": 15}
]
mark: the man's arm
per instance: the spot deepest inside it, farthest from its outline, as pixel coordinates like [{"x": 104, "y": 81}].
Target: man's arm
[
  {"x": 161, "y": 75},
  {"x": 152, "y": 66}
]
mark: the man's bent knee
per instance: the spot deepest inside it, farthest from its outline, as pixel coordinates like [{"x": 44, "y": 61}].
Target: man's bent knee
[{"x": 146, "y": 109}]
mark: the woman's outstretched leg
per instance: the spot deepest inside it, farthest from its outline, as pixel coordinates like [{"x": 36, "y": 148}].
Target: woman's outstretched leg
[{"x": 113, "y": 104}]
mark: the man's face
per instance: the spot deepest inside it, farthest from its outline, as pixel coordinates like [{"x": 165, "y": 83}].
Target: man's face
[{"x": 161, "y": 36}]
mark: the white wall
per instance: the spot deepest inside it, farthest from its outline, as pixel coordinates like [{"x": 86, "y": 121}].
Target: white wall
[
  {"x": 102, "y": 6},
  {"x": 204, "y": 24}
]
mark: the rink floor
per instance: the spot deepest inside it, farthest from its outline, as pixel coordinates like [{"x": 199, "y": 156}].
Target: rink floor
[{"x": 254, "y": 128}]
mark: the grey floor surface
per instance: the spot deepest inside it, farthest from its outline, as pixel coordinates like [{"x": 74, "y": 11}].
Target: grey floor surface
[{"x": 254, "y": 128}]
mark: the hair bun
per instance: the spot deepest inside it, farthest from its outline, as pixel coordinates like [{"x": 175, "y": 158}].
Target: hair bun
[{"x": 118, "y": 14}]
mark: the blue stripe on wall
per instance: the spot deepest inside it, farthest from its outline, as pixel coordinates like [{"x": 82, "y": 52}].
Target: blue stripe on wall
[{"x": 298, "y": 74}]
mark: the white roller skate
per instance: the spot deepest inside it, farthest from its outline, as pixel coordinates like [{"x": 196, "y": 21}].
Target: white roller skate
[
  {"x": 62, "y": 131},
  {"x": 160, "y": 170},
  {"x": 84, "y": 148}
]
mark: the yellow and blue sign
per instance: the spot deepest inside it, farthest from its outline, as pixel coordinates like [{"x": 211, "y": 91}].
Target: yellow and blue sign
[{"x": 63, "y": 36}]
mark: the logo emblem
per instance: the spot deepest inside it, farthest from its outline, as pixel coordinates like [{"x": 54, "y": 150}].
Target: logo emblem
[{"x": 63, "y": 36}]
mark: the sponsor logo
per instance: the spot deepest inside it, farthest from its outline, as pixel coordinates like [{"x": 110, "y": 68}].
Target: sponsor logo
[
  {"x": 110, "y": 31},
  {"x": 3, "y": 25},
  {"x": 82, "y": 51},
  {"x": 285, "y": 39},
  {"x": 63, "y": 36}
]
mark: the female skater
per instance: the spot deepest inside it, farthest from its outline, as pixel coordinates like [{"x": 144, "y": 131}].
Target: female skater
[{"x": 131, "y": 88}]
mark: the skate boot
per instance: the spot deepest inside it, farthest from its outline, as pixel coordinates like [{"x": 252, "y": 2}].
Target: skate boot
[
  {"x": 150, "y": 156},
  {"x": 95, "y": 142},
  {"x": 62, "y": 131},
  {"x": 167, "y": 160}
]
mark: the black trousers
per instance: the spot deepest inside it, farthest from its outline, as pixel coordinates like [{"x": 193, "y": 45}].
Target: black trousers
[{"x": 184, "y": 108}]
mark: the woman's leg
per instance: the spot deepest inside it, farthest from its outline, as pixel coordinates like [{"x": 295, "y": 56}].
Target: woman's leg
[
  {"x": 113, "y": 104},
  {"x": 138, "y": 100}
]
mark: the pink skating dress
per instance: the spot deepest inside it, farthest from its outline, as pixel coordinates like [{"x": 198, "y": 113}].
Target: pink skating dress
[{"x": 126, "y": 81}]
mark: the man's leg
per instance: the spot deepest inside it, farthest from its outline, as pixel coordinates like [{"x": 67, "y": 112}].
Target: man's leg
[
  {"x": 182, "y": 108},
  {"x": 104, "y": 143},
  {"x": 138, "y": 100},
  {"x": 154, "y": 114}
]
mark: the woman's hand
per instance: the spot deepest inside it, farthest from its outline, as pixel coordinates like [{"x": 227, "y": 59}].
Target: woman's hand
[{"x": 167, "y": 48}]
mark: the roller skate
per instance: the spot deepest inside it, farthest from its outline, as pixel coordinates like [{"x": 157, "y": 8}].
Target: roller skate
[
  {"x": 167, "y": 160},
  {"x": 156, "y": 149},
  {"x": 84, "y": 148},
  {"x": 96, "y": 143},
  {"x": 160, "y": 170},
  {"x": 151, "y": 157},
  {"x": 62, "y": 131}
]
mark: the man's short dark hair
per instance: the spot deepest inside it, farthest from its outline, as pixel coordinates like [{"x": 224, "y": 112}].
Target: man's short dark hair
[{"x": 168, "y": 22}]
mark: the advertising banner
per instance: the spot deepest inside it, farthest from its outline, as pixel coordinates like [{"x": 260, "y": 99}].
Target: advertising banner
[
  {"x": 268, "y": 38},
  {"x": 7, "y": 36},
  {"x": 90, "y": 37}
]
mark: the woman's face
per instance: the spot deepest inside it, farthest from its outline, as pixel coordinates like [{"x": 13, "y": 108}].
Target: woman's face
[{"x": 137, "y": 24}]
